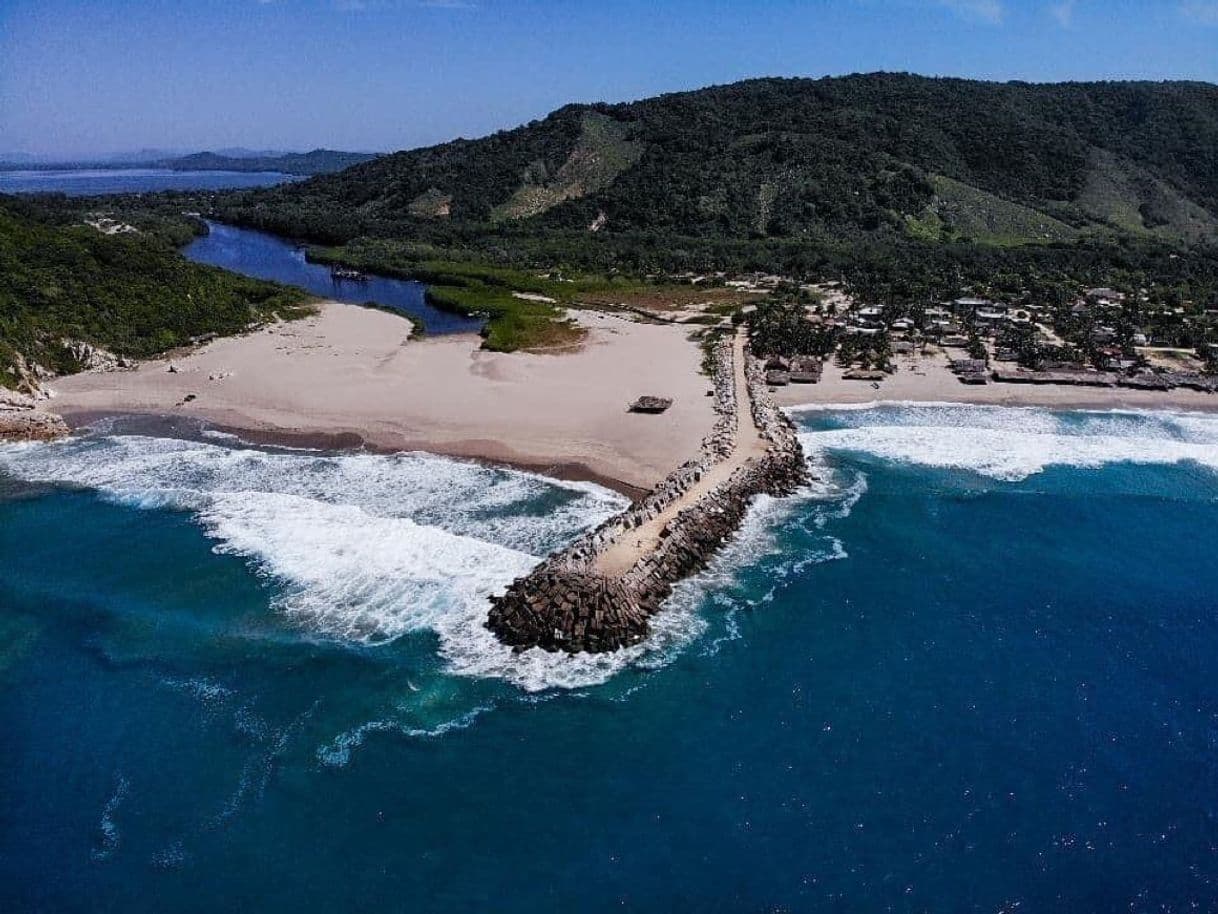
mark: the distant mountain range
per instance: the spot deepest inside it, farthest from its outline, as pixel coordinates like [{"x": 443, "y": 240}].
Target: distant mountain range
[
  {"x": 318, "y": 161},
  {"x": 880, "y": 155}
]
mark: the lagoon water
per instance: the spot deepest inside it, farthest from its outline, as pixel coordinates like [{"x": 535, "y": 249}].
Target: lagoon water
[
  {"x": 266, "y": 256},
  {"x": 90, "y": 182},
  {"x": 971, "y": 669}
]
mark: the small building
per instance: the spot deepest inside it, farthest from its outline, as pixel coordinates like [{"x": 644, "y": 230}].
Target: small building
[
  {"x": 969, "y": 305},
  {"x": 805, "y": 370},
  {"x": 968, "y": 366},
  {"x": 1105, "y": 296}
]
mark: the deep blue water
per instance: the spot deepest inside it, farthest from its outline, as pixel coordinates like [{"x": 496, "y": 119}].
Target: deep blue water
[
  {"x": 93, "y": 182},
  {"x": 267, "y": 256},
  {"x": 972, "y": 670}
]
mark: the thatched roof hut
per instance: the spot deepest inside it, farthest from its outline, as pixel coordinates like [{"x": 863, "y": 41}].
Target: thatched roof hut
[
  {"x": 862, "y": 374},
  {"x": 806, "y": 370}
]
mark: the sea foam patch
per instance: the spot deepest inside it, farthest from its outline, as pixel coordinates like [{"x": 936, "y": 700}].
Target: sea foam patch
[
  {"x": 1013, "y": 444},
  {"x": 357, "y": 576},
  {"x": 519, "y": 510}
]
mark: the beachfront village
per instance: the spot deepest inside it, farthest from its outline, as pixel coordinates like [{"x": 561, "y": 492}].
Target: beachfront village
[{"x": 1097, "y": 337}]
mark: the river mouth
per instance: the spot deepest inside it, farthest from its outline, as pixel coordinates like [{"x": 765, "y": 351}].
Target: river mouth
[{"x": 262, "y": 255}]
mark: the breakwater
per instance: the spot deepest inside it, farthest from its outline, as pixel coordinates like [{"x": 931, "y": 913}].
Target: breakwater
[{"x": 598, "y": 593}]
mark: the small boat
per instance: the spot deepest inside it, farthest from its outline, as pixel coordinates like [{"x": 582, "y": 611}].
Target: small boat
[{"x": 347, "y": 273}]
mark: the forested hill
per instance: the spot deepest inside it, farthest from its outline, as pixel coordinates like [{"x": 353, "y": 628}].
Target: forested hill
[
  {"x": 316, "y": 162},
  {"x": 64, "y": 283},
  {"x": 874, "y": 156}
]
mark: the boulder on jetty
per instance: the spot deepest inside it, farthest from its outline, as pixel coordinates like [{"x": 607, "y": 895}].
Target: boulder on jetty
[{"x": 568, "y": 611}]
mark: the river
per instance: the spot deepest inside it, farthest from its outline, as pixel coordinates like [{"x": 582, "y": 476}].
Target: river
[{"x": 266, "y": 256}]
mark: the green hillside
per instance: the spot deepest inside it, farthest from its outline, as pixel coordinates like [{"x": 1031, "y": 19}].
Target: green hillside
[
  {"x": 870, "y": 156},
  {"x": 132, "y": 294}
]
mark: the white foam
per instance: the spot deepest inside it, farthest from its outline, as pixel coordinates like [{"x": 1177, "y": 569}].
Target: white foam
[
  {"x": 337, "y": 752},
  {"x": 107, "y": 829},
  {"x": 367, "y": 548},
  {"x": 459, "y": 496},
  {"x": 356, "y": 576},
  {"x": 1013, "y": 444},
  {"x": 358, "y": 547}
]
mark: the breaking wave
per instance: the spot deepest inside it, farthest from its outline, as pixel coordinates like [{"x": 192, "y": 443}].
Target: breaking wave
[
  {"x": 359, "y": 547},
  {"x": 1012, "y": 444},
  {"x": 365, "y": 549}
]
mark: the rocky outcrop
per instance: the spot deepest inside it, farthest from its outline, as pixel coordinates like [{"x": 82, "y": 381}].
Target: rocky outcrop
[
  {"x": 18, "y": 424},
  {"x": 93, "y": 358},
  {"x": 567, "y": 604},
  {"x": 21, "y": 420}
]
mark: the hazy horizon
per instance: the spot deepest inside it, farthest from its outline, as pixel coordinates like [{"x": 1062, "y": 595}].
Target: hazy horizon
[{"x": 94, "y": 80}]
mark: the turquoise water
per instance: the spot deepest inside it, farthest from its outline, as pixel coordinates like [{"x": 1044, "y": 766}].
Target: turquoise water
[
  {"x": 971, "y": 669},
  {"x": 96, "y": 181}
]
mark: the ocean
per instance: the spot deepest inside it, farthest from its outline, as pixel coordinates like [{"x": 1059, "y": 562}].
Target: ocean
[
  {"x": 971, "y": 668},
  {"x": 89, "y": 182}
]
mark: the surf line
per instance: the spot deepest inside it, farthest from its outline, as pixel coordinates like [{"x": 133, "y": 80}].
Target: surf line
[{"x": 598, "y": 593}]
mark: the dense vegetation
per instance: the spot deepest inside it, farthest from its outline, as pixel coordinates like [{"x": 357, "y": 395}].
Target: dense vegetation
[
  {"x": 878, "y": 156},
  {"x": 131, "y": 293},
  {"x": 910, "y": 189},
  {"x": 523, "y": 309}
]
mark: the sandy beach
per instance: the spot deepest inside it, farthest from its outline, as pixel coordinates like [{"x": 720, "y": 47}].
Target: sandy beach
[
  {"x": 352, "y": 374},
  {"x": 927, "y": 379}
]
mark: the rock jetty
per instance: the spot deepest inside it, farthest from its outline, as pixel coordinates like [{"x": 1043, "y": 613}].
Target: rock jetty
[{"x": 571, "y": 603}]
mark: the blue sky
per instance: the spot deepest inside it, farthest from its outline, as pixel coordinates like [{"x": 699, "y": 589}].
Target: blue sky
[{"x": 81, "y": 78}]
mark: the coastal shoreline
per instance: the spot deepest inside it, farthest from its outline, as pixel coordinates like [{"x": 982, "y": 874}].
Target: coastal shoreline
[
  {"x": 928, "y": 381},
  {"x": 484, "y": 453},
  {"x": 350, "y": 376},
  {"x": 599, "y": 592}
]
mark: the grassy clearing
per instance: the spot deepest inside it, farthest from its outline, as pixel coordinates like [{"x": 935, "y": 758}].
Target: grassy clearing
[
  {"x": 962, "y": 211},
  {"x": 512, "y": 323}
]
